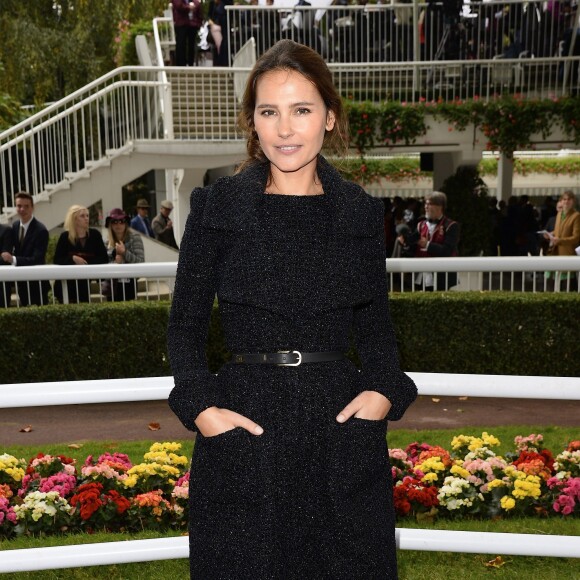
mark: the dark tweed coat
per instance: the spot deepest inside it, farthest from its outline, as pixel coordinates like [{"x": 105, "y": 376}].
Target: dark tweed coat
[{"x": 310, "y": 498}]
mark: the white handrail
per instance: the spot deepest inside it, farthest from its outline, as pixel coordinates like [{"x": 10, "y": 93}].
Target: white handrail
[
  {"x": 27, "y": 560},
  {"x": 393, "y": 265},
  {"x": 158, "y": 388}
]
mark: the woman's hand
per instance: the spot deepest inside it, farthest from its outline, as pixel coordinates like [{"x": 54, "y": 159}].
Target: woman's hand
[
  {"x": 120, "y": 248},
  {"x": 214, "y": 421},
  {"x": 368, "y": 405},
  {"x": 79, "y": 261}
]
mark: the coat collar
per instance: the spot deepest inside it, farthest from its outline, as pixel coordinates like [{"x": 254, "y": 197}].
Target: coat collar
[{"x": 233, "y": 201}]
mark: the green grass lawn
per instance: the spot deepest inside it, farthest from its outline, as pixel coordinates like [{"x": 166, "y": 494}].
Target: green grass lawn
[{"x": 413, "y": 564}]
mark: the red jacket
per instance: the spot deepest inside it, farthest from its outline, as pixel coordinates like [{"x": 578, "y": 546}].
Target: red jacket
[{"x": 181, "y": 12}]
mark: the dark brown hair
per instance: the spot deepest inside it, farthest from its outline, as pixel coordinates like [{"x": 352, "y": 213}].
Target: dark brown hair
[
  {"x": 290, "y": 56},
  {"x": 25, "y": 195}
]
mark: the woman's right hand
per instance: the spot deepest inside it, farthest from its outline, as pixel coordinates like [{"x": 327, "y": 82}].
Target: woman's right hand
[
  {"x": 214, "y": 421},
  {"x": 79, "y": 261}
]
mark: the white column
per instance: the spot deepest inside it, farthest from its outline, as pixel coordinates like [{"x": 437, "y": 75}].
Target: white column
[{"x": 505, "y": 177}]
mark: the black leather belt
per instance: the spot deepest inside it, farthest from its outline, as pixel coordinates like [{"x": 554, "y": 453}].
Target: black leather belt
[{"x": 286, "y": 358}]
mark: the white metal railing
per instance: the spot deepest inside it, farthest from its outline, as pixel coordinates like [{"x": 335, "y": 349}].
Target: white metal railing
[
  {"x": 513, "y": 274},
  {"x": 408, "y": 32},
  {"x": 67, "y": 139},
  {"x": 157, "y": 388}
]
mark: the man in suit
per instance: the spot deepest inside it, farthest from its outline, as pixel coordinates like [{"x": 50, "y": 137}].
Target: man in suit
[
  {"x": 30, "y": 241},
  {"x": 5, "y": 246},
  {"x": 141, "y": 221}
]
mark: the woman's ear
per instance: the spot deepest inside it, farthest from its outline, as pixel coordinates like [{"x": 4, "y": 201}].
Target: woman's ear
[{"x": 330, "y": 120}]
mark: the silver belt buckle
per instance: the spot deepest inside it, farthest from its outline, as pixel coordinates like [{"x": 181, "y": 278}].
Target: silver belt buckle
[{"x": 290, "y": 364}]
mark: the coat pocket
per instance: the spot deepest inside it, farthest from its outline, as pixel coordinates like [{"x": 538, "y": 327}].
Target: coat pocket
[
  {"x": 361, "y": 456},
  {"x": 227, "y": 468}
]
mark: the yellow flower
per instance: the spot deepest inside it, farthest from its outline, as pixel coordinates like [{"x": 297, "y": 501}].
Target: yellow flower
[
  {"x": 166, "y": 446},
  {"x": 429, "y": 478},
  {"x": 507, "y": 503},
  {"x": 495, "y": 483},
  {"x": 489, "y": 440},
  {"x": 460, "y": 471},
  {"x": 475, "y": 444}
]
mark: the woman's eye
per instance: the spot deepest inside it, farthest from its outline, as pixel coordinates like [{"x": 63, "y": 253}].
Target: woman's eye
[
  {"x": 267, "y": 113},
  {"x": 303, "y": 111}
]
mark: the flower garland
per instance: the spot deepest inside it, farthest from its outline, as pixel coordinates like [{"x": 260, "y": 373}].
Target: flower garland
[
  {"x": 47, "y": 495},
  {"x": 508, "y": 122}
]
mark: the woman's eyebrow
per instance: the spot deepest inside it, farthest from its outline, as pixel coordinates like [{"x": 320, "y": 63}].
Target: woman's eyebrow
[{"x": 299, "y": 104}]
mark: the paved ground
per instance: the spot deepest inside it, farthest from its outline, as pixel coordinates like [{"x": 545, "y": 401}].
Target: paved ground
[{"x": 130, "y": 421}]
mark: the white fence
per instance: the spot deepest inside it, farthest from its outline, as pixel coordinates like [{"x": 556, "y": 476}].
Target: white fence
[
  {"x": 157, "y": 388},
  {"x": 156, "y": 280}
]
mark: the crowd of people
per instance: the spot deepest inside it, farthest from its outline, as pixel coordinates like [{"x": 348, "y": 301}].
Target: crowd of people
[
  {"x": 384, "y": 31},
  {"x": 25, "y": 243},
  {"x": 517, "y": 228}
]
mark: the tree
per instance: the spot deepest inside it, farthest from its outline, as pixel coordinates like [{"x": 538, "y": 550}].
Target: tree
[{"x": 50, "y": 49}]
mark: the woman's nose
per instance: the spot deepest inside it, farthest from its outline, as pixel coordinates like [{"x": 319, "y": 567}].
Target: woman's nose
[{"x": 285, "y": 126}]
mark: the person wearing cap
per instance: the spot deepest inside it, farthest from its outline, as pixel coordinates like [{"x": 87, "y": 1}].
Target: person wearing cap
[
  {"x": 163, "y": 226},
  {"x": 140, "y": 222},
  {"x": 436, "y": 236},
  {"x": 123, "y": 247}
]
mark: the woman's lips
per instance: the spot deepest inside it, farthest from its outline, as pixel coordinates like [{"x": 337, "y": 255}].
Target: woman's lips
[{"x": 288, "y": 149}]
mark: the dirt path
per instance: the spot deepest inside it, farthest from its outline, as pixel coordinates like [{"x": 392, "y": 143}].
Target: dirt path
[{"x": 130, "y": 421}]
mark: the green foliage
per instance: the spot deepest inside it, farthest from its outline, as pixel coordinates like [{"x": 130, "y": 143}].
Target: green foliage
[
  {"x": 477, "y": 333},
  {"x": 372, "y": 170},
  {"x": 488, "y": 333},
  {"x": 126, "y": 51},
  {"x": 508, "y": 122},
  {"x": 467, "y": 203},
  {"x": 525, "y": 166},
  {"x": 87, "y": 341},
  {"x": 51, "y": 49}
]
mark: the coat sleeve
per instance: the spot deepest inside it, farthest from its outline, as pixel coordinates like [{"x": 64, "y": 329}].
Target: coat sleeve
[
  {"x": 135, "y": 251},
  {"x": 375, "y": 338},
  {"x": 195, "y": 288}
]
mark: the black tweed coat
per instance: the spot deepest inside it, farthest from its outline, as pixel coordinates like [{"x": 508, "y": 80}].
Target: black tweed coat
[{"x": 310, "y": 498}]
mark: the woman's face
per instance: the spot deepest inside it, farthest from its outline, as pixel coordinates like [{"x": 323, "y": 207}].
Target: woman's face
[
  {"x": 118, "y": 227},
  {"x": 82, "y": 220},
  {"x": 290, "y": 119}
]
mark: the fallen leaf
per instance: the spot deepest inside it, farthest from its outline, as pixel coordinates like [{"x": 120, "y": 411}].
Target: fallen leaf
[
  {"x": 445, "y": 409},
  {"x": 154, "y": 426},
  {"x": 26, "y": 429},
  {"x": 75, "y": 446},
  {"x": 435, "y": 400},
  {"x": 460, "y": 410},
  {"x": 463, "y": 398},
  {"x": 497, "y": 562}
]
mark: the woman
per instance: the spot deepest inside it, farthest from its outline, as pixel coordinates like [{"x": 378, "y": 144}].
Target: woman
[
  {"x": 78, "y": 245},
  {"x": 290, "y": 476},
  {"x": 124, "y": 247}
]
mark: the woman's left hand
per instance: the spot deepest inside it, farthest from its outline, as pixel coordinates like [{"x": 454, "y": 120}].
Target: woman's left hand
[
  {"x": 120, "y": 248},
  {"x": 368, "y": 405}
]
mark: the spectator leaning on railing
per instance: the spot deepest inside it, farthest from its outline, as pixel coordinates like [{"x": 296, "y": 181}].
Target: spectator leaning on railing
[
  {"x": 123, "y": 247},
  {"x": 78, "y": 245},
  {"x": 30, "y": 239}
]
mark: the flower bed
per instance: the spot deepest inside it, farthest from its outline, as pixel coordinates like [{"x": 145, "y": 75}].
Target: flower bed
[{"x": 52, "y": 494}]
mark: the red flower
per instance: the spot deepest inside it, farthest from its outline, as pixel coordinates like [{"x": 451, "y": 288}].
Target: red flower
[{"x": 89, "y": 498}]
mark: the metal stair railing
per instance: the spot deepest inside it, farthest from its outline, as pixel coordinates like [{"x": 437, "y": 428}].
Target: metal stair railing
[{"x": 88, "y": 128}]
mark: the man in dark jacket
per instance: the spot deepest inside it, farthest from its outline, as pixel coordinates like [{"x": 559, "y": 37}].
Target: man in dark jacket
[{"x": 30, "y": 242}]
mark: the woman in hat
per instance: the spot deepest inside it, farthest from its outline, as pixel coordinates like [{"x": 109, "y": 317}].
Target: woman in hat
[
  {"x": 78, "y": 245},
  {"x": 290, "y": 477},
  {"x": 123, "y": 247}
]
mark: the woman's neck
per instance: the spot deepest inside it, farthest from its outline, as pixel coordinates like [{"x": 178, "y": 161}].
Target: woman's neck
[
  {"x": 82, "y": 234},
  {"x": 303, "y": 182}
]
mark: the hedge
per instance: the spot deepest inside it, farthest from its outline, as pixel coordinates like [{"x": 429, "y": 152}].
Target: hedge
[{"x": 453, "y": 332}]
